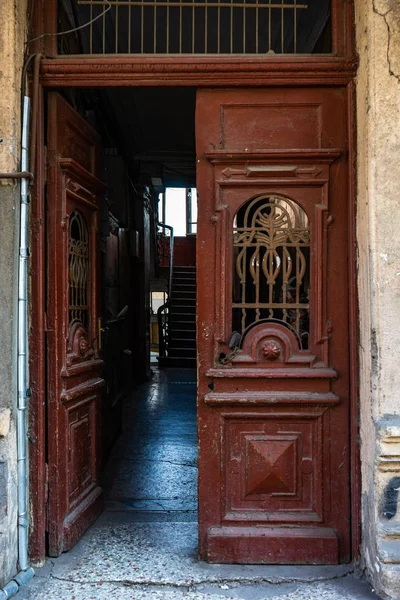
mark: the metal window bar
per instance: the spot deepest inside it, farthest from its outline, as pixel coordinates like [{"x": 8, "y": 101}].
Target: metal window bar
[
  {"x": 217, "y": 27},
  {"x": 271, "y": 246}
]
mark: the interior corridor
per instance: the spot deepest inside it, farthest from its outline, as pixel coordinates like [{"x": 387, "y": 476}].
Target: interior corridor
[{"x": 152, "y": 467}]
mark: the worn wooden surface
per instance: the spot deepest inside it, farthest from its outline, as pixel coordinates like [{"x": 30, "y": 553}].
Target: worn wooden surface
[
  {"x": 74, "y": 374},
  {"x": 274, "y": 435}
]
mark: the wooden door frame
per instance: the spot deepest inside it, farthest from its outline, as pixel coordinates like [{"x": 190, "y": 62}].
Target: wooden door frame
[{"x": 221, "y": 72}]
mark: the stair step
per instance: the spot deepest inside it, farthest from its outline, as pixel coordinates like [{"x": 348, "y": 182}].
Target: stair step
[
  {"x": 183, "y": 308},
  {"x": 189, "y": 277},
  {"x": 176, "y": 300},
  {"x": 177, "y": 362},
  {"x": 181, "y": 290},
  {"x": 190, "y": 327},
  {"x": 183, "y": 317},
  {"x": 182, "y": 343},
  {"x": 191, "y": 303},
  {"x": 185, "y": 284},
  {"x": 181, "y": 334},
  {"x": 182, "y": 352}
]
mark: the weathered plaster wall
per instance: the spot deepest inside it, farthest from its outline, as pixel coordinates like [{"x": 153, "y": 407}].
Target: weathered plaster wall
[
  {"x": 378, "y": 229},
  {"x": 12, "y": 39}
]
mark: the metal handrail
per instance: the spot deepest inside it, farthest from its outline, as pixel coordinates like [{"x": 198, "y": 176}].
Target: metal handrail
[
  {"x": 163, "y": 312},
  {"x": 171, "y": 256},
  {"x": 163, "y": 327}
]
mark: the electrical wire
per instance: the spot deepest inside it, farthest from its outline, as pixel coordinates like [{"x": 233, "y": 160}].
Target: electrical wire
[{"x": 71, "y": 30}]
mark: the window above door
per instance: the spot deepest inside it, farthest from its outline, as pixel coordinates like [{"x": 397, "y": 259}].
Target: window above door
[{"x": 196, "y": 27}]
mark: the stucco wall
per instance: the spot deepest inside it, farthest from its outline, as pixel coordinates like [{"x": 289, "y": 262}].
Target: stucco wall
[
  {"x": 12, "y": 39},
  {"x": 378, "y": 229}
]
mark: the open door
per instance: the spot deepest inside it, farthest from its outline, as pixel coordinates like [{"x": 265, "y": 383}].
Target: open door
[
  {"x": 272, "y": 326},
  {"x": 74, "y": 367}
]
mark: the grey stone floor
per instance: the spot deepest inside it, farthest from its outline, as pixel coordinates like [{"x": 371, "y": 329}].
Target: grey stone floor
[
  {"x": 121, "y": 557},
  {"x": 144, "y": 546}
]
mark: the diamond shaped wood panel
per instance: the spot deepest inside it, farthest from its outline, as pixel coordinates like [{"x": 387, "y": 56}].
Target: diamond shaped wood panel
[
  {"x": 271, "y": 466},
  {"x": 274, "y": 468}
]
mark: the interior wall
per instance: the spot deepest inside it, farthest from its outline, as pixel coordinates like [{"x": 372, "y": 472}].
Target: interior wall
[
  {"x": 185, "y": 251},
  {"x": 378, "y": 226}
]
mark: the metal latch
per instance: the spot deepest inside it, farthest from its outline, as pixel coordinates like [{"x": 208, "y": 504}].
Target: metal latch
[{"x": 234, "y": 346}]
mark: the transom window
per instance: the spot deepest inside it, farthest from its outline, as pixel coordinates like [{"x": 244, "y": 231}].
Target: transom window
[{"x": 218, "y": 27}]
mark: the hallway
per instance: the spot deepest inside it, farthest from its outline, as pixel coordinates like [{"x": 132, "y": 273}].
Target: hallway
[
  {"x": 153, "y": 465},
  {"x": 144, "y": 545}
]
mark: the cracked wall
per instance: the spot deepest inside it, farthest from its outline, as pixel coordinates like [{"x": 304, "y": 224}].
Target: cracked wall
[
  {"x": 378, "y": 226},
  {"x": 12, "y": 39}
]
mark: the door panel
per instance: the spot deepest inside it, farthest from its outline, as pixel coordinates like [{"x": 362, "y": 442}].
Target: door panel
[
  {"x": 74, "y": 366},
  {"x": 273, "y": 405}
]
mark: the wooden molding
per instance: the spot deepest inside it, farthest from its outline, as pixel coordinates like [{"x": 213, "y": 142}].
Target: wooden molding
[{"x": 210, "y": 71}]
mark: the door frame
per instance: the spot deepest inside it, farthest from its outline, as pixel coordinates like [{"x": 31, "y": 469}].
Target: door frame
[{"x": 122, "y": 71}]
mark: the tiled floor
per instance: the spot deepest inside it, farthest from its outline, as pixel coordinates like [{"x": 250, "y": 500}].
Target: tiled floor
[
  {"x": 154, "y": 463},
  {"x": 144, "y": 546}
]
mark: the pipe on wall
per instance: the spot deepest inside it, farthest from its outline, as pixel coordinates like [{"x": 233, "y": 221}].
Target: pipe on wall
[
  {"x": 25, "y": 571},
  {"x": 22, "y": 352}
]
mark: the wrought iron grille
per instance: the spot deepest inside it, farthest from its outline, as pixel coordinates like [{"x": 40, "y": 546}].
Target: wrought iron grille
[
  {"x": 78, "y": 278},
  {"x": 271, "y": 248},
  {"x": 196, "y": 26}
]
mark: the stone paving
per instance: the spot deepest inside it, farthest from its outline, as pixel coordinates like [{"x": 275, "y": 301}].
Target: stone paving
[
  {"x": 131, "y": 560},
  {"x": 144, "y": 546}
]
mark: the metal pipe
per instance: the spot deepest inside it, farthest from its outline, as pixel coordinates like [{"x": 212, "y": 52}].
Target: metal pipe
[
  {"x": 12, "y": 588},
  {"x": 23, "y": 350},
  {"x": 17, "y": 175},
  {"x": 26, "y": 572}
]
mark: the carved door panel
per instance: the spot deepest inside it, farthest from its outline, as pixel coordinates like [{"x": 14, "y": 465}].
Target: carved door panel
[
  {"x": 273, "y": 341},
  {"x": 74, "y": 366}
]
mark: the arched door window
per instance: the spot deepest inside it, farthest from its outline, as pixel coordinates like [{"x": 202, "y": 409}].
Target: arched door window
[
  {"x": 78, "y": 276},
  {"x": 271, "y": 265}
]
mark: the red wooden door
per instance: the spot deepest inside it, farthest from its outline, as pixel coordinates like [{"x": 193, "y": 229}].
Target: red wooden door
[
  {"x": 74, "y": 366},
  {"x": 273, "y": 409}
]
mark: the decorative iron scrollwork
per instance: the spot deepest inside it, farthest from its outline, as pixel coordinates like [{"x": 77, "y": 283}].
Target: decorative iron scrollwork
[
  {"x": 271, "y": 247},
  {"x": 78, "y": 276}
]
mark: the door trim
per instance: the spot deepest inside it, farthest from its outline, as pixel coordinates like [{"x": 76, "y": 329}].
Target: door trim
[{"x": 211, "y": 71}]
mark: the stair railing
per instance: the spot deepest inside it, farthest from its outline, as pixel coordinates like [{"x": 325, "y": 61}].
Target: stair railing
[{"x": 164, "y": 313}]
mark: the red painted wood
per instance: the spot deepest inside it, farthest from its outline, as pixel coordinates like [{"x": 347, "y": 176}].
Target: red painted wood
[
  {"x": 74, "y": 365},
  {"x": 353, "y": 326},
  {"x": 37, "y": 357},
  {"x": 271, "y": 545},
  {"x": 197, "y": 71},
  {"x": 277, "y": 460}
]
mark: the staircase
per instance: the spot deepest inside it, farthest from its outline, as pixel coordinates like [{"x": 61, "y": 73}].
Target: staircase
[{"x": 181, "y": 341}]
